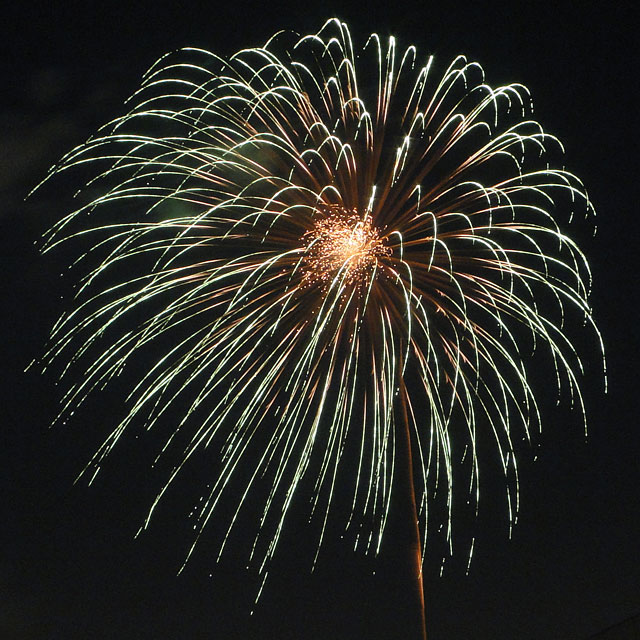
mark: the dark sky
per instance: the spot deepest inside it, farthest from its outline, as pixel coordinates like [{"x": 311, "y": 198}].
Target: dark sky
[{"x": 70, "y": 567}]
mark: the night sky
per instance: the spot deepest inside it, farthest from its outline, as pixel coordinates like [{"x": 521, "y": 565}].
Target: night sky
[{"x": 70, "y": 566}]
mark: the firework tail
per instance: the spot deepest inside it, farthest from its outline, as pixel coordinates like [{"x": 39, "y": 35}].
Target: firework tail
[{"x": 408, "y": 511}]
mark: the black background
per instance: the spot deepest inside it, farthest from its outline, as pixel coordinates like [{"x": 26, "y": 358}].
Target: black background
[{"x": 69, "y": 565}]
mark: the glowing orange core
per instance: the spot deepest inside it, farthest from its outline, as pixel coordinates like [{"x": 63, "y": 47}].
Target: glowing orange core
[{"x": 342, "y": 246}]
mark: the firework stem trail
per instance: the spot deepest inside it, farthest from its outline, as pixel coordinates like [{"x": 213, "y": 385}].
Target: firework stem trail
[{"x": 406, "y": 484}]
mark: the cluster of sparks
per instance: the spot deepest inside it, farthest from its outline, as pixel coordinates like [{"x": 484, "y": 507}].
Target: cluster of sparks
[
  {"x": 342, "y": 244},
  {"x": 311, "y": 249}
]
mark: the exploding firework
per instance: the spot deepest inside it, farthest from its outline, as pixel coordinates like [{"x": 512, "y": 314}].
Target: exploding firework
[{"x": 321, "y": 256}]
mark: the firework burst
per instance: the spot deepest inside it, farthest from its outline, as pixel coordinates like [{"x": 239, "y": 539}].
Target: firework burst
[{"x": 315, "y": 253}]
